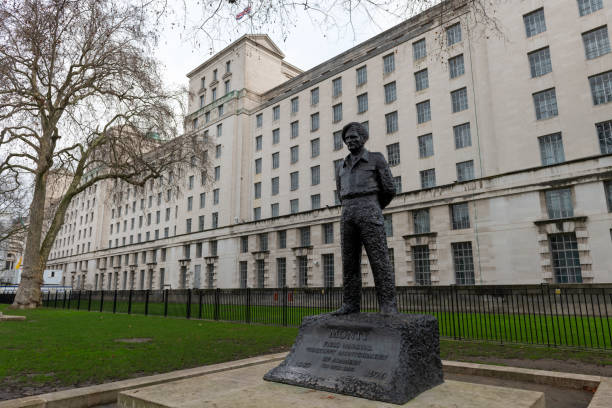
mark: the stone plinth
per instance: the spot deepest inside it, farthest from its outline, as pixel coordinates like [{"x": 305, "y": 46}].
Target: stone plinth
[
  {"x": 390, "y": 358},
  {"x": 7, "y": 318},
  {"x": 244, "y": 387}
]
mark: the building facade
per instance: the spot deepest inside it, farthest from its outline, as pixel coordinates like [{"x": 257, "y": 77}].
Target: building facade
[{"x": 500, "y": 143}]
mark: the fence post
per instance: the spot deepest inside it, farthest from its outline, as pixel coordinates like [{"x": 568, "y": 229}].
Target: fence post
[
  {"x": 216, "y": 313},
  {"x": 89, "y": 302},
  {"x": 64, "y": 300},
  {"x": 55, "y": 301},
  {"x": 147, "y": 302},
  {"x": 453, "y": 310},
  {"x": 130, "y": 302},
  {"x": 79, "y": 301},
  {"x": 49, "y": 298},
  {"x": 248, "y": 305},
  {"x": 101, "y": 299},
  {"x": 69, "y": 298},
  {"x": 285, "y": 306},
  {"x": 200, "y": 303},
  {"x": 545, "y": 314},
  {"x": 188, "y": 308},
  {"x": 115, "y": 301},
  {"x": 166, "y": 303}
]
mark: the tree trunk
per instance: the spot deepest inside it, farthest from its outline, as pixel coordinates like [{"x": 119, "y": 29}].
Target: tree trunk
[{"x": 29, "y": 294}]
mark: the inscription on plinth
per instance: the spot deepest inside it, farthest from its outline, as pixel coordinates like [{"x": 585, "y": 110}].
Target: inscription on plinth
[{"x": 386, "y": 358}]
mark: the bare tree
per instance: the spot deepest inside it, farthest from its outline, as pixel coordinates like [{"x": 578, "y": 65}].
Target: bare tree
[{"x": 80, "y": 94}]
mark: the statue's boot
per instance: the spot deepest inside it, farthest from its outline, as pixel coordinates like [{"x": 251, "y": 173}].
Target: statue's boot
[{"x": 346, "y": 309}]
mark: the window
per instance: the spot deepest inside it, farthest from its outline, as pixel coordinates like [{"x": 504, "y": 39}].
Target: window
[
  {"x": 275, "y": 136},
  {"x": 214, "y": 94},
  {"x": 315, "y": 201},
  {"x": 420, "y": 259},
  {"x": 220, "y": 110},
  {"x": 388, "y": 63},
  {"x": 258, "y": 143},
  {"x": 295, "y": 105},
  {"x": 314, "y": 147},
  {"x": 295, "y": 154},
  {"x": 534, "y": 22},
  {"x": 259, "y": 120},
  {"x": 608, "y": 192},
  {"x": 393, "y": 154},
  {"x": 281, "y": 237},
  {"x": 390, "y": 92},
  {"x": 202, "y": 82},
  {"x": 189, "y": 203},
  {"x": 218, "y": 150},
  {"x": 337, "y": 112},
  {"x": 257, "y": 213},
  {"x": 294, "y": 206},
  {"x": 188, "y": 229},
  {"x": 274, "y": 210},
  {"x": 257, "y": 189},
  {"x": 167, "y": 215},
  {"x": 423, "y": 112},
  {"x": 195, "y": 123},
  {"x": 207, "y": 119},
  {"x": 275, "y": 185},
  {"x": 281, "y": 272},
  {"x": 304, "y": 236},
  {"x": 295, "y": 129},
  {"x": 460, "y": 216},
  {"x": 315, "y": 175},
  {"x": 217, "y": 173},
  {"x": 216, "y": 196},
  {"x": 212, "y": 248},
  {"x": 391, "y": 122},
  {"x": 428, "y": 178},
  {"x": 419, "y": 49},
  {"x": 258, "y": 166},
  {"x": 202, "y": 204},
  {"x": 362, "y": 103},
  {"x": 210, "y": 276},
  {"x": 551, "y": 149},
  {"x": 453, "y": 34},
  {"x": 596, "y": 42},
  {"x": 328, "y": 233},
  {"x": 227, "y": 90},
  {"x": 276, "y": 113},
  {"x": 202, "y": 101},
  {"x": 215, "y": 220},
  {"x": 302, "y": 271},
  {"x": 243, "y": 274},
  {"x": 601, "y": 88},
  {"x": 219, "y": 130},
  {"x": 314, "y": 122},
  {"x": 459, "y": 100},
  {"x": 463, "y": 263},
  {"x": 565, "y": 258},
  {"x": 275, "y": 160},
  {"x": 191, "y": 179},
  {"x": 314, "y": 96},
  {"x": 328, "y": 270},
  {"x": 421, "y": 80},
  {"x": 589, "y": 6},
  {"x": 261, "y": 273},
  {"x": 545, "y": 104},
  {"x": 338, "y": 143},
  {"x": 214, "y": 75},
  {"x": 426, "y": 145},
  {"x": 559, "y": 203},
  {"x": 388, "y": 219},
  {"x": 463, "y": 137},
  {"x": 362, "y": 75},
  {"x": 465, "y": 170},
  {"x": 539, "y": 62},
  {"x": 604, "y": 133},
  {"x": 397, "y": 182},
  {"x": 295, "y": 181},
  {"x": 420, "y": 220},
  {"x": 455, "y": 66},
  {"x": 337, "y": 87},
  {"x": 201, "y": 223}
]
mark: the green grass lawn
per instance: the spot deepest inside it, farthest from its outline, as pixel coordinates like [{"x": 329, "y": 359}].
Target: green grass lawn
[
  {"x": 579, "y": 331},
  {"x": 72, "y": 348}
]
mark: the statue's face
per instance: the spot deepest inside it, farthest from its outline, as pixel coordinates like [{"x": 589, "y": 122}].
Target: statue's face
[{"x": 353, "y": 141}]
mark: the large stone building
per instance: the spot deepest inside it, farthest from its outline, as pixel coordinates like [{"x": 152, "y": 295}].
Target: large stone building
[{"x": 500, "y": 143}]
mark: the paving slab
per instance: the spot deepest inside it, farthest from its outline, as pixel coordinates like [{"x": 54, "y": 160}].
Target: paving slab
[{"x": 244, "y": 387}]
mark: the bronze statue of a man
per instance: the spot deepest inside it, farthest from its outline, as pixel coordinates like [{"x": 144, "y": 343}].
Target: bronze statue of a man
[{"x": 365, "y": 186}]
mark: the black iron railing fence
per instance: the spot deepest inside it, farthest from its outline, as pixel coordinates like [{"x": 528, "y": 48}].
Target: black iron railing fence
[{"x": 564, "y": 315}]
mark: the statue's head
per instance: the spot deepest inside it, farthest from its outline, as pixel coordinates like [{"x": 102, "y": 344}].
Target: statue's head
[{"x": 354, "y": 136}]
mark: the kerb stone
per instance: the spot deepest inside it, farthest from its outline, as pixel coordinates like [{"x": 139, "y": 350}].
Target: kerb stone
[{"x": 390, "y": 358}]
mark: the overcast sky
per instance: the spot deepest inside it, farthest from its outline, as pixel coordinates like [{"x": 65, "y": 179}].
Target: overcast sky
[{"x": 306, "y": 46}]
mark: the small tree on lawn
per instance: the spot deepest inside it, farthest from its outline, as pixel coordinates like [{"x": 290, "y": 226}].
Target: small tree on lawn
[{"x": 81, "y": 95}]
